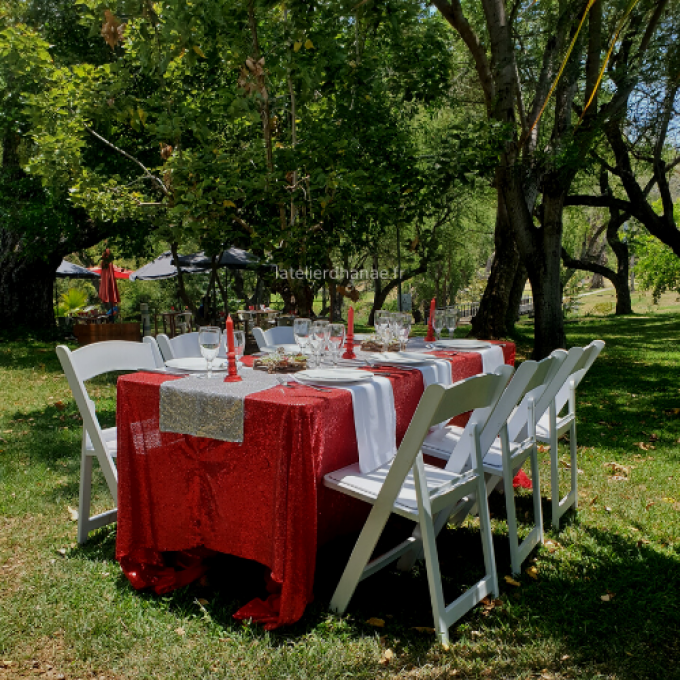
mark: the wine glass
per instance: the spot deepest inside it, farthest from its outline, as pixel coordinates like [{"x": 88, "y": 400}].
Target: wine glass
[
  {"x": 239, "y": 344},
  {"x": 438, "y": 322},
  {"x": 319, "y": 339},
  {"x": 405, "y": 321},
  {"x": 302, "y": 329},
  {"x": 451, "y": 319},
  {"x": 336, "y": 339},
  {"x": 381, "y": 322},
  {"x": 209, "y": 341}
]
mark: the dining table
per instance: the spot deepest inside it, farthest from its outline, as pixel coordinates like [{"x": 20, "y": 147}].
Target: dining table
[{"x": 183, "y": 498}]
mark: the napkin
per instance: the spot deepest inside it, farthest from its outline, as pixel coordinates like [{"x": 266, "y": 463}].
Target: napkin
[
  {"x": 375, "y": 422},
  {"x": 492, "y": 358}
]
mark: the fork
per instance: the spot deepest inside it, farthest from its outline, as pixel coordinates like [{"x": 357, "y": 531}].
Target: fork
[{"x": 284, "y": 383}]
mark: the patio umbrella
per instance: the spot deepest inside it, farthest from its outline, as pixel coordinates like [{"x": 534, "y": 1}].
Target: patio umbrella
[
  {"x": 108, "y": 288},
  {"x": 161, "y": 268},
  {"x": 232, "y": 258},
  {"x": 118, "y": 272},
  {"x": 68, "y": 270}
]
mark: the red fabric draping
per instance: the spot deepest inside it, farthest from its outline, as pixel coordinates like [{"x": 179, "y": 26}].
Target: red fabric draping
[
  {"x": 108, "y": 288},
  {"x": 182, "y": 497}
]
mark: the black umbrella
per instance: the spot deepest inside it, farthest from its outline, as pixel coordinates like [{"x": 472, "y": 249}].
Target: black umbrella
[
  {"x": 232, "y": 258},
  {"x": 68, "y": 270},
  {"x": 162, "y": 268}
]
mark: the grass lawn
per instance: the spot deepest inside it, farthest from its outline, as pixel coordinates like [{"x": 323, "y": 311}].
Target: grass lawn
[{"x": 67, "y": 611}]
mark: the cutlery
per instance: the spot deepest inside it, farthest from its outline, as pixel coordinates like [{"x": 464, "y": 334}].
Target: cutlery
[{"x": 286, "y": 382}]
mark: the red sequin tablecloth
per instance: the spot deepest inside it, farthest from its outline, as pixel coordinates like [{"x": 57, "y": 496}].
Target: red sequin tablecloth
[{"x": 262, "y": 499}]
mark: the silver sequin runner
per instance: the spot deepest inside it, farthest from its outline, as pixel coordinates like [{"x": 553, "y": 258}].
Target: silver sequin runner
[{"x": 210, "y": 408}]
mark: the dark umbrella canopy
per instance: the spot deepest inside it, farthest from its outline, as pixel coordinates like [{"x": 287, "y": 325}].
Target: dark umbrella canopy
[
  {"x": 68, "y": 270},
  {"x": 232, "y": 258},
  {"x": 161, "y": 268}
]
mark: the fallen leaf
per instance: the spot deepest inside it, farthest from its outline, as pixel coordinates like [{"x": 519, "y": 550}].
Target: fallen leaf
[
  {"x": 59, "y": 405},
  {"x": 62, "y": 551},
  {"x": 511, "y": 581},
  {"x": 73, "y": 513},
  {"x": 533, "y": 572},
  {"x": 607, "y": 508},
  {"x": 565, "y": 657},
  {"x": 649, "y": 505},
  {"x": 605, "y": 598},
  {"x": 378, "y": 623},
  {"x": 476, "y": 633},
  {"x": 542, "y": 448},
  {"x": 180, "y": 631},
  {"x": 202, "y": 601},
  {"x": 386, "y": 657}
]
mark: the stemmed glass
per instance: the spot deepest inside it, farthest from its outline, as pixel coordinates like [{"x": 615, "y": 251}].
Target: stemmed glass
[
  {"x": 405, "y": 321},
  {"x": 239, "y": 344},
  {"x": 319, "y": 339},
  {"x": 209, "y": 341},
  {"x": 381, "y": 321},
  {"x": 336, "y": 340},
  {"x": 438, "y": 322},
  {"x": 451, "y": 320},
  {"x": 302, "y": 329}
]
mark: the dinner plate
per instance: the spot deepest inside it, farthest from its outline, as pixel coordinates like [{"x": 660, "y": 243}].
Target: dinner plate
[
  {"x": 197, "y": 364},
  {"x": 333, "y": 376},
  {"x": 288, "y": 349},
  {"x": 462, "y": 344},
  {"x": 401, "y": 358}
]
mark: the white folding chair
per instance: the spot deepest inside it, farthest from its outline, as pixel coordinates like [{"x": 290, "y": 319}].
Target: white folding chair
[
  {"x": 551, "y": 426},
  {"x": 279, "y": 335},
  {"x": 183, "y": 346},
  {"x": 81, "y": 365},
  {"x": 503, "y": 452},
  {"x": 411, "y": 489}
]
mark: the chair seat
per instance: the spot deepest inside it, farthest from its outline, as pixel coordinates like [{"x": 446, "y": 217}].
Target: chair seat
[
  {"x": 110, "y": 437},
  {"x": 441, "y": 442},
  {"x": 543, "y": 426},
  {"x": 353, "y": 482}
]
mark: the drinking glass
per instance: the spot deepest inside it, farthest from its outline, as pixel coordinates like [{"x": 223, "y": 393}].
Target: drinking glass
[
  {"x": 381, "y": 322},
  {"x": 318, "y": 340},
  {"x": 209, "y": 341},
  {"x": 239, "y": 344},
  {"x": 451, "y": 320},
  {"x": 438, "y": 321},
  {"x": 405, "y": 321},
  {"x": 302, "y": 329},
  {"x": 336, "y": 340}
]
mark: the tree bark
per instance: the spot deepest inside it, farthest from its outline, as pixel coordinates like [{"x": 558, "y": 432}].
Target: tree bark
[
  {"x": 491, "y": 320},
  {"x": 515, "y": 299}
]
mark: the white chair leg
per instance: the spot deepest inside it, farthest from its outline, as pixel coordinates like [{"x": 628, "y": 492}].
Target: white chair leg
[
  {"x": 554, "y": 470},
  {"x": 536, "y": 492},
  {"x": 487, "y": 538},
  {"x": 434, "y": 578},
  {"x": 574, "y": 462},
  {"x": 359, "y": 558},
  {"x": 511, "y": 512},
  {"x": 85, "y": 497}
]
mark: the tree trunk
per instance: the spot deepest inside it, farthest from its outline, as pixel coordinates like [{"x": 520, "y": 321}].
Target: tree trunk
[
  {"x": 515, "y": 299},
  {"x": 26, "y": 286},
  {"x": 491, "y": 319},
  {"x": 543, "y": 265}
]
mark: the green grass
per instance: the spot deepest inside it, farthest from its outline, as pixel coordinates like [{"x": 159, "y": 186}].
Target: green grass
[{"x": 77, "y": 614}]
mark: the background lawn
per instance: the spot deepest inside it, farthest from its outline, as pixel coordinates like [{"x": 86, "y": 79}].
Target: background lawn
[{"x": 67, "y": 611}]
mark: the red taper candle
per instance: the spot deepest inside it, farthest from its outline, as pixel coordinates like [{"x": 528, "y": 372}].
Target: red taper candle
[
  {"x": 430, "y": 328},
  {"x": 232, "y": 375},
  {"x": 349, "y": 340}
]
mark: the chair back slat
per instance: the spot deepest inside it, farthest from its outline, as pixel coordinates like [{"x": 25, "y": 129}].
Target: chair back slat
[
  {"x": 111, "y": 355},
  {"x": 590, "y": 353},
  {"x": 183, "y": 346}
]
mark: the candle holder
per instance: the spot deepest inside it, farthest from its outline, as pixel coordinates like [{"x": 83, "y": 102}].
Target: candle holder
[
  {"x": 232, "y": 375},
  {"x": 349, "y": 348},
  {"x": 430, "y": 337}
]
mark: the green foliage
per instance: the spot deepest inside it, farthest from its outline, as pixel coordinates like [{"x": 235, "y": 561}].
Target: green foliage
[
  {"x": 657, "y": 267},
  {"x": 71, "y": 301}
]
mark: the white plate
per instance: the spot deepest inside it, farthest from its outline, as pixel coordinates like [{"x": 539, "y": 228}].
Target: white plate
[
  {"x": 198, "y": 364},
  {"x": 333, "y": 376},
  {"x": 462, "y": 344},
  {"x": 403, "y": 358},
  {"x": 288, "y": 349}
]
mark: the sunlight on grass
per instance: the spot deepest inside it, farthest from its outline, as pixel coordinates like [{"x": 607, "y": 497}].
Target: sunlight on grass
[{"x": 75, "y": 612}]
